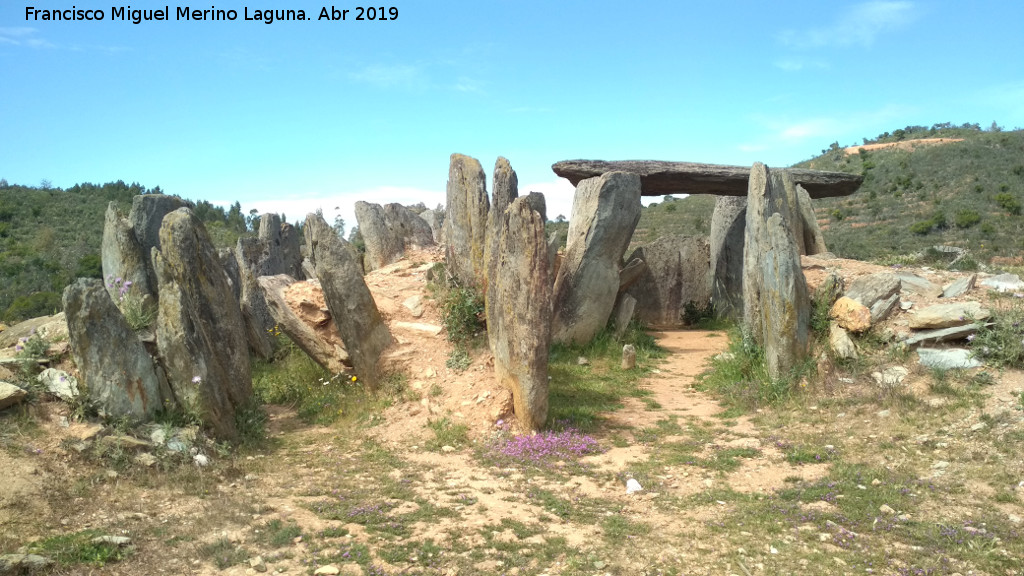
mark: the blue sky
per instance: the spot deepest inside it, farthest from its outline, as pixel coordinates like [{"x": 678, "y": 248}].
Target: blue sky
[{"x": 292, "y": 116}]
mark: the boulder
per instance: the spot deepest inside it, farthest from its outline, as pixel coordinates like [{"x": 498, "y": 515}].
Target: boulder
[
  {"x": 388, "y": 230},
  {"x": 676, "y": 274},
  {"x": 117, "y": 371},
  {"x": 840, "y": 342},
  {"x": 776, "y": 306},
  {"x": 10, "y": 395},
  {"x": 200, "y": 333},
  {"x": 146, "y": 216},
  {"x": 465, "y": 222},
  {"x": 301, "y": 313},
  {"x": 519, "y": 311},
  {"x": 605, "y": 212},
  {"x": 122, "y": 258},
  {"x": 59, "y": 383},
  {"x": 726, "y": 247},
  {"x": 960, "y": 286},
  {"x": 359, "y": 323},
  {"x": 659, "y": 178},
  {"x": 948, "y": 315},
  {"x": 947, "y": 358},
  {"x": 880, "y": 292},
  {"x": 850, "y": 314},
  {"x": 915, "y": 284},
  {"x": 1004, "y": 283}
]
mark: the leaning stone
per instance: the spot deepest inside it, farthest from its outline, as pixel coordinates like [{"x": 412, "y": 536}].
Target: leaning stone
[
  {"x": 947, "y": 315},
  {"x": 1004, "y": 283},
  {"x": 726, "y": 246},
  {"x": 200, "y": 332},
  {"x": 59, "y": 383},
  {"x": 10, "y": 395},
  {"x": 605, "y": 212},
  {"x": 959, "y": 286},
  {"x": 851, "y": 315},
  {"x": 814, "y": 240},
  {"x": 631, "y": 272},
  {"x": 879, "y": 292},
  {"x": 947, "y": 358},
  {"x": 300, "y": 312},
  {"x": 435, "y": 219},
  {"x": 676, "y": 274},
  {"x": 519, "y": 312},
  {"x": 465, "y": 222},
  {"x": 944, "y": 334},
  {"x": 359, "y": 322},
  {"x": 841, "y": 343},
  {"x": 622, "y": 315},
  {"x": 116, "y": 369}
]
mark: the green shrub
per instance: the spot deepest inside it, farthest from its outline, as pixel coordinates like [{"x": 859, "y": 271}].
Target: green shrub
[
  {"x": 922, "y": 227},
  {"x": 462, "y": 313},
  {"x": 1008, "y": 202},
  {"x": 966, "y": 218},
  {"x": 1000, "y": 342}
]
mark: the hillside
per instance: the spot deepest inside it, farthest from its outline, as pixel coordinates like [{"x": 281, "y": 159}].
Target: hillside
[
  {"x": 964, "y": 190},
  {"x": 49, "y": 236}
]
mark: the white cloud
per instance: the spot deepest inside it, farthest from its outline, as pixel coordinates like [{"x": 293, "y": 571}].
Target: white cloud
[
  {"x": 860, "y": 25},
  {"x": 23, "y": 36}
]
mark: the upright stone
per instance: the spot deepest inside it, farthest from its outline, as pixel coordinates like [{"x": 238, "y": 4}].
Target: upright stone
[
  {"x": 199, "y": 330},
  {"x": 435, "y": 219},
  {"x": 519, "y": 312},
  {"x": 146, "y": 216},
  {"x": 605, "y": 212},
  {"x": 505, "y": 191},
  {"x": 291, "y": 251},
  {"x": 776, "y": 304},
  {"x": 728, "y": 223},
  {"x": 814, "y": 240},
  {"x": 255, "y": 259},
  {"x": 117, "y": 371},
  {"x": 465, "y": 223},
  {"x": 388, "y": 230},
  {"x": 359, "y": 323},
  {"x": 676, "y": 274},
  {"x": 121, "y": 256}
]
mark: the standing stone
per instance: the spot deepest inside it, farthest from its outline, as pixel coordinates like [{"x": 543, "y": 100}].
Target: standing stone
[
  {"x": 435, "y": 219},
  {"x": 830, "y": 289},
  {"x": 726, "y": 245},
  {"x": 505, "y": 191},
  {"x": 628, "y": 357},
  {"x": 676, "y": 274},
  {"x": 814, "y": 240},
  {"x": 388, "y": 230},
  {"x": 465, "y": 223},
  {"x": 230, "y": 264},
  {"x": 625, "y": 310},
  {"x": 776, "y": 304},
  {"x": 146, "y": 216},
  {"x": 255, "y": 259},
  {"x": 605, "y": 212},
  {"x": 538, "y": 203},
  {"x": 519, "y": 312},
  {"x": 117, "y": 371},
  {"x": 291, "y": 252},
  {"x": 200, "y": 332},
  {"x": 359, "y": 323},
  {"x": 121, "y": 256}
]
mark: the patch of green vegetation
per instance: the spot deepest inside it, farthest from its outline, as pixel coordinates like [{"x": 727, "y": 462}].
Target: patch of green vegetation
[
  {"x": 462, "y": 314},
  {"x": 223, "y": 553},
  {"x": 739, "y": 377},
  {"x": 292, "y": 378},
  {"x": 79, "y": 548},
  {"x": 447, "y": 433},
  {"x": 277, "y": 533},
  {"x": 617, "y": 528},
  {"x": 458, "y": 359},
  {"x": 1000, "y": 341}
]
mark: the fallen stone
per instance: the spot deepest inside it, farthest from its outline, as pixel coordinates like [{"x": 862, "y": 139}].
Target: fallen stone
[
  {"x": 918, "y": 285},
  {"x": 947, "y": 358},
  {"x": 414, "y": 304},
  {"x": 851, "y": 315},
  {"x": 604, "y": 214},
  {"x": 947, "y": 315},
  {"x": 1004, "y": 283},
  {"x": 125, "y": 441},
  {"x": 880, "y": 292},
  {"x": 300, "y": 312},
  {"x": 328, "y": 570},
  {"x": 17, "y": 564},
  {"x": 258, "y": 564},
  {"x": 119, "y": 541},
  {"x": 890, "y": 377},
  {"x": 841, "y": 343},
  {"x": 660, "y": 178},
  {"x": 633, "y": 486},
  {"x": 10, "y": 395},
  {"x": 59, "y": 383},
  {"x": 145, "y": 459},
  {"x": 432, "y": 329},
  {"x": 944, "y": 334},
  {"x": 959, "y": 286}
]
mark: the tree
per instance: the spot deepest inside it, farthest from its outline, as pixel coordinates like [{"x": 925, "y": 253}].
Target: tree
[
  {"x": 339, "y": 226},
  {"x": 560, "y": 218}
]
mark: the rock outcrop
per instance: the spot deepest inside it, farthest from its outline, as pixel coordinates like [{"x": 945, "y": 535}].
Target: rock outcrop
[
  {"x": 118, "y": 372},
  {"x": 605, "y": 212},
  {"x": 728, "y": 223},
  {"x": 199, "y": 331},
  {"x": 660, "y": 178},
  {"x": 465, "y": 222},
  {"x": 352, "y": 308},
  {"x": 776, "y": 303},
  {"x": 388, "y": 230},
  {"x": 519, "y": 311},
  {"x": 301, "y": 313},
  {"x": 676, "y": 274}
]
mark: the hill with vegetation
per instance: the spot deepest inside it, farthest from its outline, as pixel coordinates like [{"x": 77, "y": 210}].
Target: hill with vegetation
[
  {"x": 49, "y": 236},
  {"x": 966, "y": 190}
]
